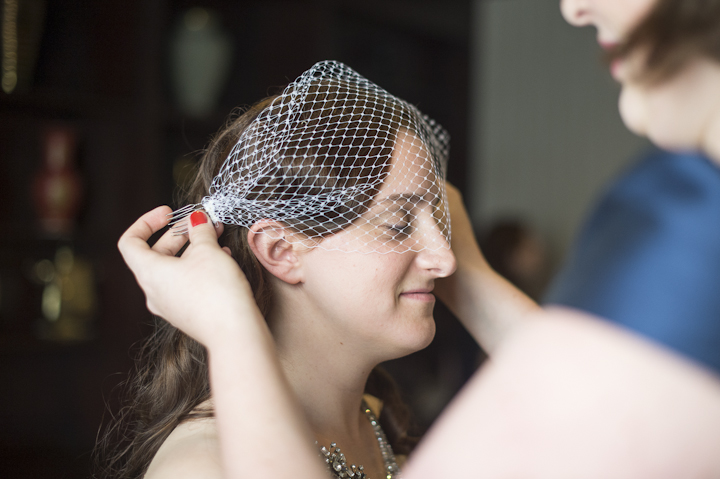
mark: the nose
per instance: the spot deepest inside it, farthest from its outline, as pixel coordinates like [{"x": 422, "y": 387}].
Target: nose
[
  {"x": 576, "y": 12},
  {"x": 441, "y": 262},
  {"x": 436, "y": 255}
]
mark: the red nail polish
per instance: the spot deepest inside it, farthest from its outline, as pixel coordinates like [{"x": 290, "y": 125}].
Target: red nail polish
[{"x": 198, "y": 218}]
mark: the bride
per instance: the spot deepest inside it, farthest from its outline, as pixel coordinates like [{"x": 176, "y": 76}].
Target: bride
[
  {"x": 566, "y": 395},
  {"x": 330, "y": 198}
]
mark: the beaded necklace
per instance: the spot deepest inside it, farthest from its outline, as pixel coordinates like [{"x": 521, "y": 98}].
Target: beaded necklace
[{"x": 337, "y": 463}]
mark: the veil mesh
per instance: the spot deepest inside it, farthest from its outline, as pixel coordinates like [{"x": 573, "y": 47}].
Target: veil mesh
[{"x": 336, "y": 153}]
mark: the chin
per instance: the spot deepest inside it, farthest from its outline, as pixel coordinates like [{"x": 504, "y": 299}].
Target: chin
[
  {"x": 632, "y": 111},
  {"x": 417, "y": 338},
  {"x": 425, "y": 340}
]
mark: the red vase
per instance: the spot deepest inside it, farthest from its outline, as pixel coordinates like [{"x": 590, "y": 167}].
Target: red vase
[{"x": 57, "y": 188}]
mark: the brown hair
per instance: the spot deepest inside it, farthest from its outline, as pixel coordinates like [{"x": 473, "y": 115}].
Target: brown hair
[
  {"x": 674, "y": 32},
  {"x": 172, "y": 369}
]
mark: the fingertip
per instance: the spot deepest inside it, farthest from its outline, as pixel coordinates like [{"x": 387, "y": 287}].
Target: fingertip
[
  {"x": 200, "y": 226},
  {"x": 219, "y": 228},
  {"x": 160, "y": 215},
  {"x": 121, "y": 243},
  {"x": 198, "y": 218},
  {"x": 163, "y": 208}
]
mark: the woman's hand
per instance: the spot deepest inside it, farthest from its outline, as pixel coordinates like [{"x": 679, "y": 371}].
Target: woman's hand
[
  {"x": 464, "y": 243},
  {"x": 486, "y": 303},
  {"x": 464, "y": 246},
  {"x": 203, "y": 292}
]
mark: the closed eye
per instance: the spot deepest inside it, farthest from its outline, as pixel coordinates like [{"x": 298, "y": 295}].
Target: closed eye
[{"x": 399, "y": 230}]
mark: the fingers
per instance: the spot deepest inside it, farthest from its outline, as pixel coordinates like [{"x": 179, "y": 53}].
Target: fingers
[
  {"x": 202, "y": 231},
  {"x": 133, "y": 243},
  {"x": 170, "y": 243},
  {"x": 454, "y": 196},
  {"x": 451, "y": 188}
]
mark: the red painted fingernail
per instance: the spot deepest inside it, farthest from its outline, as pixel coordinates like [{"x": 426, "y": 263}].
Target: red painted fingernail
[{"x": 198, "y": 218}]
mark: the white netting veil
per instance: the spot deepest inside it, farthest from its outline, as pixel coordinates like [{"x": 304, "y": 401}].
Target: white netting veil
[{"x": 335, "y": 153}]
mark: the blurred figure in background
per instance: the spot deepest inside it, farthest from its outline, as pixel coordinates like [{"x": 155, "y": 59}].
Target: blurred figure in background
[{"x": 518, "y": 254}]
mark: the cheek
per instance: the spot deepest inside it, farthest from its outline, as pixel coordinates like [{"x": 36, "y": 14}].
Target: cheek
[
  {"x": 629, "y": 13},
  {"x": 368, "y": 284}
]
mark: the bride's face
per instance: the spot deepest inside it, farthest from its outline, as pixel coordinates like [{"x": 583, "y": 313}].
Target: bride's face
[{"x": 382, "y": 300}]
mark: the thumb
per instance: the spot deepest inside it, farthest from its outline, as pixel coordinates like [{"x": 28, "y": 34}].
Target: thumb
[{"x": 202, "y": 230}]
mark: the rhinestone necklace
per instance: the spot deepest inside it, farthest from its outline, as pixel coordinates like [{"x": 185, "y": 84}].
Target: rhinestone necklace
[{"x": 337, "y": 463}]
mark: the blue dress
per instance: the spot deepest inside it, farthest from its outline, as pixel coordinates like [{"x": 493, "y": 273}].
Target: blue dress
[{"x": 649, "y": 256}]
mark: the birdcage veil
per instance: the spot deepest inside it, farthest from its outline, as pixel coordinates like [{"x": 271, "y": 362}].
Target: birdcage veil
[{"x": 335, "y": 152}]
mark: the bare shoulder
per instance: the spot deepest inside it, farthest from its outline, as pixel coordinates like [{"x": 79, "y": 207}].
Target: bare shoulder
[{"x": 191, "y": 451}]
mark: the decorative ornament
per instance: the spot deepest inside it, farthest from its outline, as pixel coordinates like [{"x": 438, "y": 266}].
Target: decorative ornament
[
  {"x": 201, "y": 54},
  {"x": 57, "y": 188},
  {"x": 337, "y": 462}
]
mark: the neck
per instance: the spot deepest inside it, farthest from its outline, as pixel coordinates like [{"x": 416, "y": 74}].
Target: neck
[
  {"x": 711, "y": 142},
  {"x": 327, "y": 364},
  {"x": 327, "y": 374}
]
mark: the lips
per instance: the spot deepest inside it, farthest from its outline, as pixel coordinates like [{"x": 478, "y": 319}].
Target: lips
[{"x": 420, "y": 294}]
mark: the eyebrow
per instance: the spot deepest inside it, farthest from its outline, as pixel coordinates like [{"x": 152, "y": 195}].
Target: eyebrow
[{"x": 408, "y": 198}]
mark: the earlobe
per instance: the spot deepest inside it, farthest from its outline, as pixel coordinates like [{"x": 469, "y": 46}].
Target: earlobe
[{"x": 267, "y": 240}]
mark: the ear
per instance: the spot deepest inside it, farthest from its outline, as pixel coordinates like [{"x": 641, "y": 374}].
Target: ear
[{"x": 278, "y": 255}]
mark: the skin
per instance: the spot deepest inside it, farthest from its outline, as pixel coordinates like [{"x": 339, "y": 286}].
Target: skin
[
  {"x": 680, "y": 113},
  {"x": 336, "y": 312},
  {"x": 570, "y": 396},
  {"x": 564, "y": 396},
  {"x": 488, "y": 305},
  {"x": 567, "y": 395},
  {"x": 531, "y": 401},
  {"x": 343, "y": 312},
  {"x": 205, "y": 294}
]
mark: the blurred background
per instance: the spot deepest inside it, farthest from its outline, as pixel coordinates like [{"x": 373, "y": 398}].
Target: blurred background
[{"x": 105, "y": 104}]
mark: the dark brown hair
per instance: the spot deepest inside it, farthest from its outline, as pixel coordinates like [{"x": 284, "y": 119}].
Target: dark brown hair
[
  {"x": 674, "y": 32},
  {"x": 172, "y": 380}
]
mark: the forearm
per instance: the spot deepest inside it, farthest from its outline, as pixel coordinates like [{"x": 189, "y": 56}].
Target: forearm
[
  {"x": 262, "y": 430},
  {"x": 204, "y": 293},
  {"x": 488, "y": 305}
]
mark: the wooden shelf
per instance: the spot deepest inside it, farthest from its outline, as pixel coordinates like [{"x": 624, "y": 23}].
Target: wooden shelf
[{"x": 51, "y": 103}]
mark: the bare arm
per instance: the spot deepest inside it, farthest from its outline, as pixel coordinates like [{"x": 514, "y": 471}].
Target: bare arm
[
  {"x": 205, "y": 294},
  {"x": 569, "y": 396},
  {"x": 487, "y": 304}
]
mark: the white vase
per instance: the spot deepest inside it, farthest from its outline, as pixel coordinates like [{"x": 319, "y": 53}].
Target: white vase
[{"x": 200, "y": 58}]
